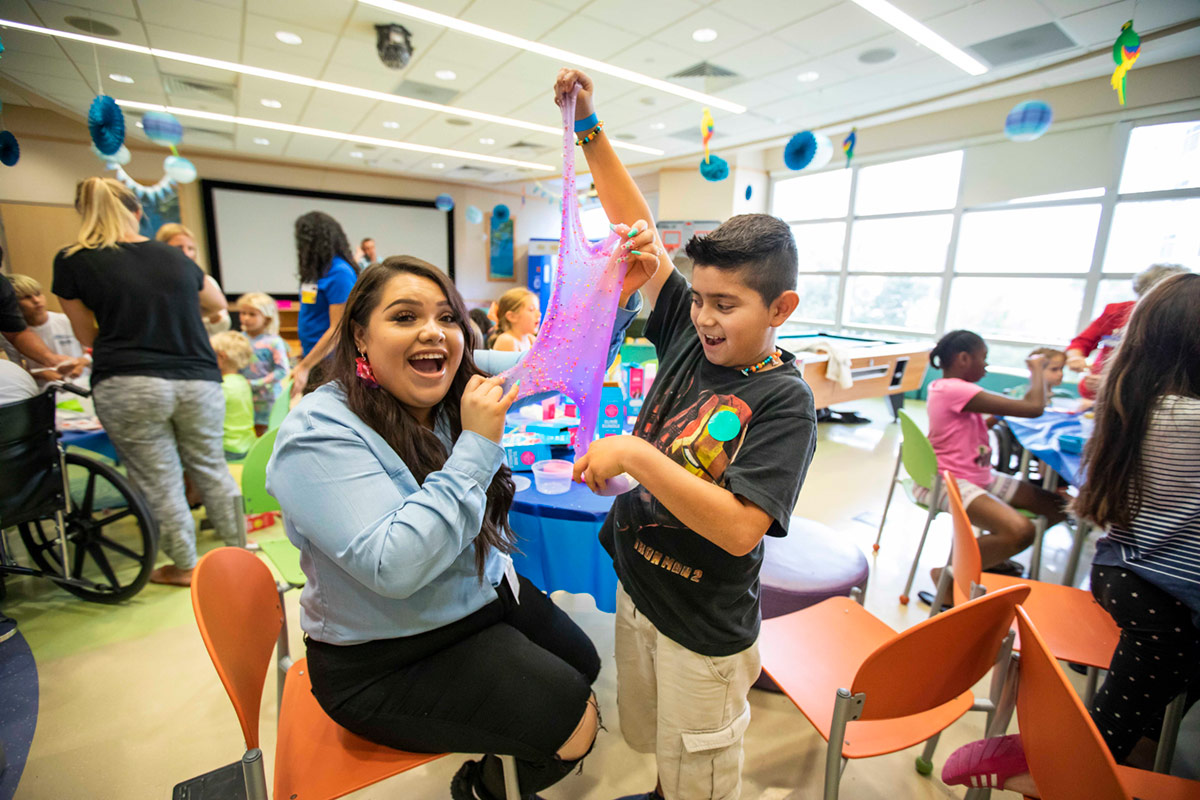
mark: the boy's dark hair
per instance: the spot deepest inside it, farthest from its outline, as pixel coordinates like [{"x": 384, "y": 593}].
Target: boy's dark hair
[
  {"x": 952, "y": 344},
  {"x": 758, "y": 246}
]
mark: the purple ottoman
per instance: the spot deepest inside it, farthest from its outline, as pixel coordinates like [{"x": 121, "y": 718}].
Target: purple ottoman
[{"x": 812, "y": 563}]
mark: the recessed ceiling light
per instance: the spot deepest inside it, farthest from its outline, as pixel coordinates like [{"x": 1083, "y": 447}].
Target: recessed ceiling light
[
  {"x": 487, "y": 140},
  {"x": 119, "y": 78},
  {"x": 359, "y": 91},
  {"x": 704, "y": 35},
  {"x": 287, "y": 37},
  {"x": 657, "y": 126},
  {"x": 355, "y": 154},
  {"x": 391, "y": 124},
  {"x": 261, "y": 140},
  {"x": 269, "y": 103},
  {"x": 808, "y": 77},
  {"x": 304, "y": 130},
  {"x": 445, "y": 74},
  {"x": 438, "y": 165},
  {"x": 922, "y": 35}
]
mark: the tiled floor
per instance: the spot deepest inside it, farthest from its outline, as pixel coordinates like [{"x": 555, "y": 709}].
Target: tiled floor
[{"x": 130, "y": 703}]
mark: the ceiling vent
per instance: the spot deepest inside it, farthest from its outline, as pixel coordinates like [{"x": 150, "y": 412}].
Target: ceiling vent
[
  {"x": 529, "y": 148},
  {"x": 89, "y": 25},
  {"x": 426, "y": 91},
  {"x": 194, "y": 89},
  {"x": 1035, "y": 42},
  {"x": 706, "y": 77},
  {"x": 467, "y": 171}
]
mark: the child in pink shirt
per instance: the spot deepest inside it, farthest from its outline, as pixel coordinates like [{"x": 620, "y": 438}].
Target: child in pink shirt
[{"x": 959, "y": 435}]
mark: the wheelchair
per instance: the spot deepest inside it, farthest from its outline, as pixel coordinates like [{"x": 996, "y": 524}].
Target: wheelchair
[{"x": 83, "y": 524}]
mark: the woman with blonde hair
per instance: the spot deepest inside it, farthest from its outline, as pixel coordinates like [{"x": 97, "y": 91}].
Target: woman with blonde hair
[
  {"x": 155, "y": 381},
  {"x": 517, "y": 318},
  {"x": 181, "y": 236}
]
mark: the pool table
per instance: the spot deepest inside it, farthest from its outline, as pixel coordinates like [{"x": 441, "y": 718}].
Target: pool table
[{"x": 879, "y": 368}]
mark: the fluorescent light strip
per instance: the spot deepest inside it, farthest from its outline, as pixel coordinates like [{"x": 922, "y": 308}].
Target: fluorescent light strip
[
  {"x": 324, "y": 134},
  {"x": 300, "y": 80},
  {"x": 922, "y": 35},
  {"x": 471, "y": 29}
]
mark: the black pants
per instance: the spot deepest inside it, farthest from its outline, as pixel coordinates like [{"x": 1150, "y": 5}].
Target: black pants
[
  {"x": 1157, "y": 657},
  {"x": 510, "y": 679}
]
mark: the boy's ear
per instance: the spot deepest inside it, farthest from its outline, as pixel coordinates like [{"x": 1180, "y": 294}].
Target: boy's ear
[{"x": 782, "y": 307}]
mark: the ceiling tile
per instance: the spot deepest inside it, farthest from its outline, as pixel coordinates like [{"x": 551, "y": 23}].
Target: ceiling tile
[
  {"x": 253, "y": 90},
  {"x": 322, "y": 15},
  {"x": 641, "y": 18},
  {"x": 730, "y": 33},
  {"x": 336, "y": 111},
  {"x": 470, "y": 50},
  {"x": 760, "y": 56},
  {"x": 277, "y": 141},
  {"x": 195, "y": 44},
  {"x": 272, "y": 59},
  {"x": 317, "y": 46},
  {"x": 988, "y": 19},
  {"x": 528, "y": 68},
  {"x": 16, "y": 41},
  {"x": 529, "y": 19},
  {"x": 125, "y": 20},
  {"x": 312, "y": 148},
  {"x": 771, "y": 15},
  {"x": 653, "y": 59},
  {"x": 16, "y": 60},
  {"x": 589, "y": 36},
  {"x": 1103, "y": 25},
  {"x": 752, "y": 93},
  {"x": 379, "y": 80},
  {"x": 203, "y": 18},
  {"x": 122, "y": 8},
  {"x": 409, "y": 119},
  {"x": 835, "y": 28},
  {"x": 1064, "y": 8}
]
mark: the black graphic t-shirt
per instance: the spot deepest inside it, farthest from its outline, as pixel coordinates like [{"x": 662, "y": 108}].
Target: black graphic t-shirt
[{"x": 753, "y": 435}]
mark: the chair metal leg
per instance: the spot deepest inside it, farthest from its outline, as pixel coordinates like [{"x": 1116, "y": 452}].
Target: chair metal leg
[
  {"x": 1170, "y": 732},
  {"x": 846, "y": 708},
  {"x": 1035, "y": 558},
  {"x": 888, "y": 503},
  {"x": 283, "y": 655},
  {"x": 254, "y": 775},
  {"x": 943, "y": 591},
  {"x": 1007, "y": 701},
  {"x": 239, "y": 505},
  {"x": 1089, "y": 691},
  {"x": 512, "y": 790},
  {"x": 1004, "y": 662},
  {"x": 1082, "y": 529},
  {"x": 934, "y": 497},
  {"x": 925, "y": 760}
]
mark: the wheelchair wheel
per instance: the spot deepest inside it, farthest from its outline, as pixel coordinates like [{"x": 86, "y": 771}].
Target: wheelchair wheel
[{"x": 113, "y": 537}]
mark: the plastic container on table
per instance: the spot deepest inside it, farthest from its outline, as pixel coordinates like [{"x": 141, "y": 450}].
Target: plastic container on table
[{"x": 553, "y": 476}]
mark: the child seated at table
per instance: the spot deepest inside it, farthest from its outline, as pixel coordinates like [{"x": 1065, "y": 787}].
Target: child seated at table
[
  {"x": 1052, "y": 372},
  {"x": 258, "y": 314},
  {"x": 721, "y": 448},
  {"x": 233, "y": 355},
  {"x": 959, "y": 435}
]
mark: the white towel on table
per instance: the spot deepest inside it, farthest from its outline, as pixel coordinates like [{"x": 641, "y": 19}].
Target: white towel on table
[{"x": 837, "y": 369}]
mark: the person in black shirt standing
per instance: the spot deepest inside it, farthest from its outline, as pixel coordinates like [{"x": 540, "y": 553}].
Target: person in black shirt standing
[
  {"x": 720, "y": 450},
  {"x": 155, "y": 380}
]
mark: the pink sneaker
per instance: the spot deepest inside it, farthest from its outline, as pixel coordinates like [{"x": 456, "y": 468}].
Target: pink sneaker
[{"x": 987, "y": 763}]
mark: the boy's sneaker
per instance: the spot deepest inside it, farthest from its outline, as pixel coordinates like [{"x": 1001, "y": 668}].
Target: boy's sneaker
[{"x": 8, "y": 627}]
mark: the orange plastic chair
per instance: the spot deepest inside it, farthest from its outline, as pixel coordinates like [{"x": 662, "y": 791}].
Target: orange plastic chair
[
  {"x": 899, "y": 695},
  {"x": 1077, "y": 628},
  {"x": 1066, "y": 755},
  {"x": 239, "y": 614}
]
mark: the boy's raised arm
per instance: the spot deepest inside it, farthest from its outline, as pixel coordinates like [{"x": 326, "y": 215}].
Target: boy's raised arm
[{"x": 649, "y": 266}]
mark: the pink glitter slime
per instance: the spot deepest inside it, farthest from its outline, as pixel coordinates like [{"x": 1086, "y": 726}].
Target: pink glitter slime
[{"x": 571, "y": 351}]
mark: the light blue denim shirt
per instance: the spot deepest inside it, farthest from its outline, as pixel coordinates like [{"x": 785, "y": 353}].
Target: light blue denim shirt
[{"x": 384, "y": 556}]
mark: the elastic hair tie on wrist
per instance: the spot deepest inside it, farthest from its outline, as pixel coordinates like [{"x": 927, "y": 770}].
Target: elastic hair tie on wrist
[{"x": 586, "y": 123}]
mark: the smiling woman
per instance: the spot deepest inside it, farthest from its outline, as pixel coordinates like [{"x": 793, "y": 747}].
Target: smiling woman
[{"x": 391, "y": 481}]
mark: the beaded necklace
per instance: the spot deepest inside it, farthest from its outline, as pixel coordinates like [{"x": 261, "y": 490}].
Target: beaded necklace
[{"x": 753, "y": 368}]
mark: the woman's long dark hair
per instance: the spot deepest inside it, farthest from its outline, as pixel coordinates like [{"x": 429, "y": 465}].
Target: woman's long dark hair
[
  {"x": 421, "y": 451},
  {"x": 1159, "y": 355},
  {"x": 319, "y": 238}
]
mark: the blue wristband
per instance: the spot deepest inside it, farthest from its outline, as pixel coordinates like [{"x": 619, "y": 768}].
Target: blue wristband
[{"x": 586, "y": 124}]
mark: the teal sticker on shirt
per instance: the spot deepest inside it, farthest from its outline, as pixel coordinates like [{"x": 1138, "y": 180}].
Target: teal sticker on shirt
[{"x": 724, "y": 426}]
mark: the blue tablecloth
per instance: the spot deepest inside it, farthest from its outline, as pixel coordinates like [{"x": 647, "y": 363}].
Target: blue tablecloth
[
  {"x": 1042, "y": 437},
  {"x": 558, "y": 535},
  {"x": 95, "y": 441}
]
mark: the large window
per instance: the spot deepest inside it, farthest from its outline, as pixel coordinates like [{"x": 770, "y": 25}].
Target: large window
[{"x": 894, "y": 250}]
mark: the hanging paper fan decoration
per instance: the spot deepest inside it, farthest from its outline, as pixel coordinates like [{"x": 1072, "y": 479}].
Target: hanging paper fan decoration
[
  {"x": 154, "y": 193},
  {"x": 800, "y": 150},
  {"x": 444, "y": 202},
  {"x": 823, "y": 154},
  {"x": 1126, "y": 50},
  {"x": 162, "y": 128},
  {"x": 1027, "y": 121},
  {"x": 179, "y": 169},
  {"x": 749, "y": 191},
  {"x": 474, "y": 215},
  {"x": 714, "y": 169},
  {"x": 106, "y": 124},
  {"x": 10, "y": 151},
  {"x": 122, "y": 156},
  {"x": 500, "y": 213},
  {"x": 848, "y": 144}
]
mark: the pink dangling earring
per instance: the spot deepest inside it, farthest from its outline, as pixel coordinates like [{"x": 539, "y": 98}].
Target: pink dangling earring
[{"x": 362, "y": 368}]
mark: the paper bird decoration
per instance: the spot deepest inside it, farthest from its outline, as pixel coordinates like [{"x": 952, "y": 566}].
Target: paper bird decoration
[
  {"x": 1126, "y": 49},
  {"x": 848, "y": 144},
  {"x": 706, "y": 131}
]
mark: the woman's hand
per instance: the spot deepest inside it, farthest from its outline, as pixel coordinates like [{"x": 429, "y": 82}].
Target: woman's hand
[
  {"x": 567, "y": 78},
  {"x": 484, "y": 404},
  {"x": 642, "y": 252},
  {"x": 299, "y": 376}
]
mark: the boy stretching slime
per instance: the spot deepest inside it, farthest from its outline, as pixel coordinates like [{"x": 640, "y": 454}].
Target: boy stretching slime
[{"x": 720, "y": 450}]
